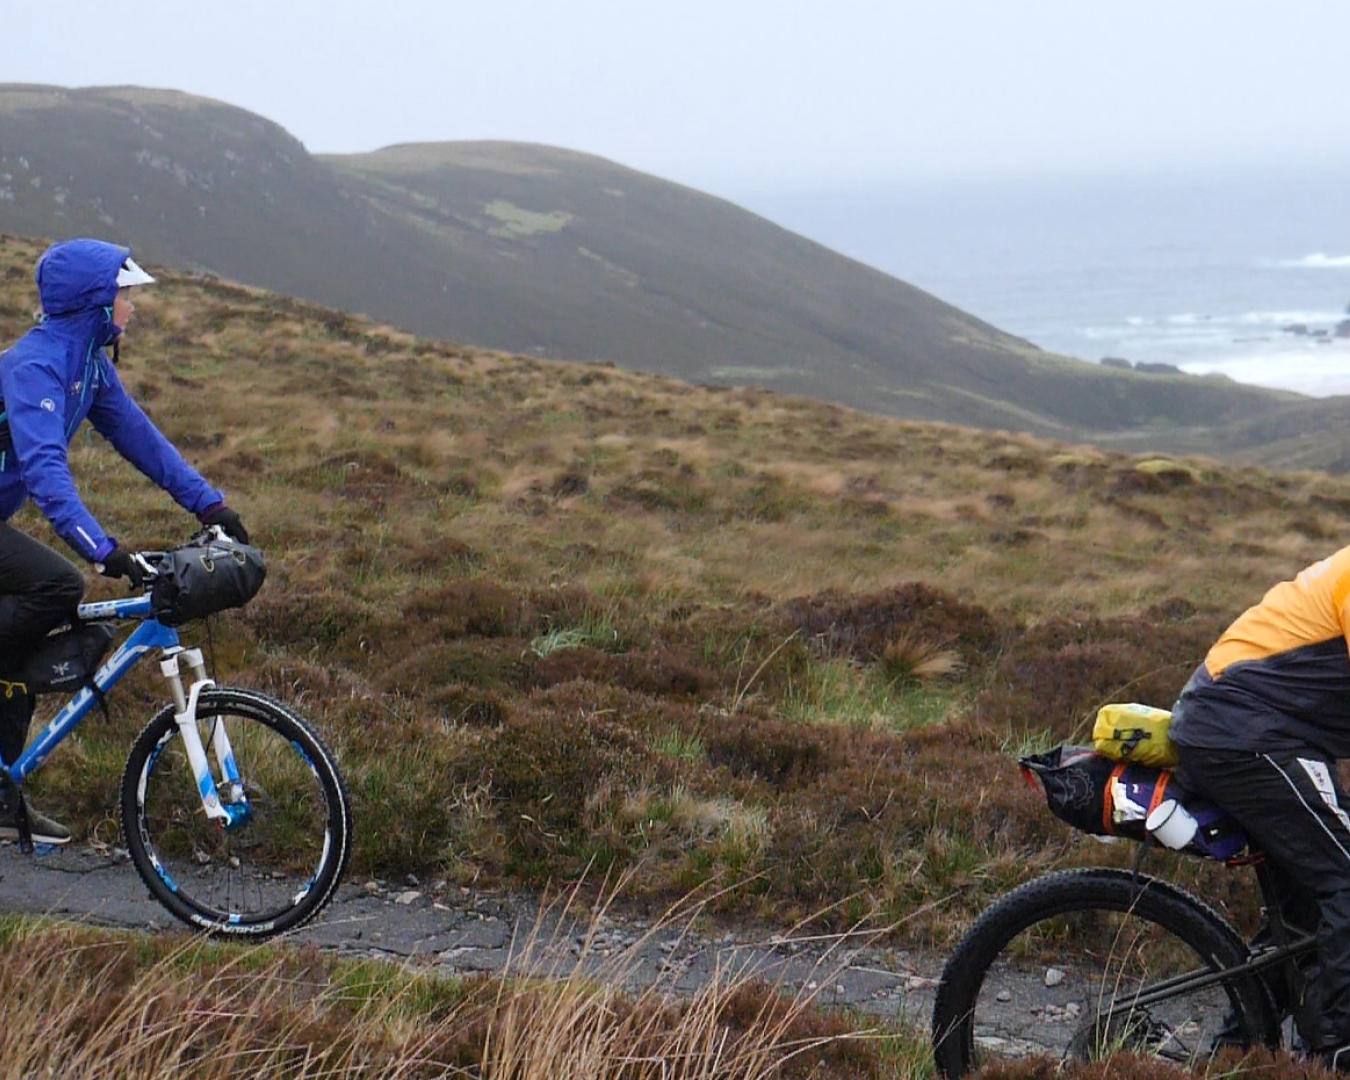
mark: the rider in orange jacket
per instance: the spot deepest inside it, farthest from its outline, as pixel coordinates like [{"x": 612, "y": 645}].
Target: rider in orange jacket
[{"x": 1259, "y": 730}]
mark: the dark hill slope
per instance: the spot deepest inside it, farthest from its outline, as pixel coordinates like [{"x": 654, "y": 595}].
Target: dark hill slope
[
  {"x": 612, "y": 254},
  {"x": 555, "y": 254},
  {"x": 1306, "y": 433},
  {"x": 188, "y": 182}
]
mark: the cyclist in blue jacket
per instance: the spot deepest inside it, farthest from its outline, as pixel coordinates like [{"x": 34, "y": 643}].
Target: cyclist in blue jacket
[{"x": 54, "y": 377}]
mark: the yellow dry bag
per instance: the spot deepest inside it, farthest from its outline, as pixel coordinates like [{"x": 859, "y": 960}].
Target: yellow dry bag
[{"x": 1135, "y": 733}]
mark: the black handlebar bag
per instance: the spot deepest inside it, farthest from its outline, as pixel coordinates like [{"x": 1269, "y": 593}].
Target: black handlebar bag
[{"x": 203, "y": 577}]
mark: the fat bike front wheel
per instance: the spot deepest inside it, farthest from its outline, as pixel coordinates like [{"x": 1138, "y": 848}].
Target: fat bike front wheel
[{"x": 279, "y": 860}]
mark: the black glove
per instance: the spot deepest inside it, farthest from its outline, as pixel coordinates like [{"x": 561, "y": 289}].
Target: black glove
[
  {"x": 122, "y": 563},
  {"x": 228, "y": 520}
]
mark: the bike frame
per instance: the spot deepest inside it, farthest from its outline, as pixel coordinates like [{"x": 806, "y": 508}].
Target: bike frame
[
  {"x": 1259, "y": 962},
  {"x": 1255, "y": 964},
  {"x": 151, "y": 634}
]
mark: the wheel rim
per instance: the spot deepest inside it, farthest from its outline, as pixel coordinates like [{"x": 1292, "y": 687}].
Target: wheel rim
[
  {"x": 1076, "y": 987},
  {"x": 253, "y": 873}
]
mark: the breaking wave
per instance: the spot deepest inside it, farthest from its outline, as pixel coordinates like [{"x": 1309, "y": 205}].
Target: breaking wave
[{"x": 1318, "y": 260}]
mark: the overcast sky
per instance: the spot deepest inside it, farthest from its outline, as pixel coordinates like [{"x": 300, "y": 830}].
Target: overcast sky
[{"x": 742, "y": 94}]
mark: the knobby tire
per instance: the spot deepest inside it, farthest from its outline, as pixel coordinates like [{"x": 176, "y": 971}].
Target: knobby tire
[{"x": 997, "y": 997}]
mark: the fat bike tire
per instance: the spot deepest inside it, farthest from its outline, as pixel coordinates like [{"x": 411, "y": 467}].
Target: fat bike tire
[{"x": 1061, "y": 968}]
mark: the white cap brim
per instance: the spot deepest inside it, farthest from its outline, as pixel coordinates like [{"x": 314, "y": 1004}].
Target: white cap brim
[{"x": 131, "y": 274}]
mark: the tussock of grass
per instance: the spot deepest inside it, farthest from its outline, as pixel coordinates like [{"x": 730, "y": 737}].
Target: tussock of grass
[{"x": 911, "y": 659}]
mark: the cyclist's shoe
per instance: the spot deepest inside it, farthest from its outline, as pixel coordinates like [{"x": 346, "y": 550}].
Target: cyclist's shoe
[
  {"x": 44, "y": 830},
  {"x": 1230, "y": 1033}
]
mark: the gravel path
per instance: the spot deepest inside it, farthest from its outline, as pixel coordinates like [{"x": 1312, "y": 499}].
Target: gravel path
[{"x": 454, "y": 930}]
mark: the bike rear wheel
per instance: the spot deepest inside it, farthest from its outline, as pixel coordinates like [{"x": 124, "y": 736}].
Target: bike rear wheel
[
  {"x": 1078, "y": 965},
  {"x": 280, "y": 863}
]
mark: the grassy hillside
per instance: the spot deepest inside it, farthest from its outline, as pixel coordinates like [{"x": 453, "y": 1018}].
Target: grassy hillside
[
  {"x": 556, "y": 254},
  {"x": 560, "y": 616}
]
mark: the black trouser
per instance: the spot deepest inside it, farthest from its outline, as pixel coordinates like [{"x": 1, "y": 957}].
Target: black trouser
[
  {"x": 39, "y": 590},
  {"x": 1290, "y": 804}
]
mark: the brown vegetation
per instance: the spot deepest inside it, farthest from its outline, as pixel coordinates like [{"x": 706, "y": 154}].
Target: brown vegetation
[
  {"x": 560, "y": 616},
  {"x": 83, "y": 1003}
]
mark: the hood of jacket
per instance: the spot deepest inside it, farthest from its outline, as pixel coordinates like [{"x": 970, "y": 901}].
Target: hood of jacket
[
  {"x": 77, "y": 284},
  {"x": 79, "y": 275}
]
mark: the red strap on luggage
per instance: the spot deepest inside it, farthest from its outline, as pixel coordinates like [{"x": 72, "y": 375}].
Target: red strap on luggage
[{"x": 1108, "y": 804}]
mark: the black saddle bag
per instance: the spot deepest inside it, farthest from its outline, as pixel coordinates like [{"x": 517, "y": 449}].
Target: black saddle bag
[
  {"x": 204, "y": 577},
  {"x": 1104, "y": 797}
]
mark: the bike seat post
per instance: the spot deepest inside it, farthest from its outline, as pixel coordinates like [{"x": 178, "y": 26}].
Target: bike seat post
[
  {"x": 1272, "y": 903},
  {"x": 1273, "y": 913}
]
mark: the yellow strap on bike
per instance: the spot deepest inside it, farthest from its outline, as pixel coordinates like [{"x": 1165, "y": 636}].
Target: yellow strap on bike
[{"x": 1135, "y": 733}]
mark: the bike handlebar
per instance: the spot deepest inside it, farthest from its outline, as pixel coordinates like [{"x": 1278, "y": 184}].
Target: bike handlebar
[{"x": 153, "y": 563}]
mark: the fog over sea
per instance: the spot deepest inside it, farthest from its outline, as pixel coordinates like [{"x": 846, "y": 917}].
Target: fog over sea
[{"x": 1200, "y": 271}]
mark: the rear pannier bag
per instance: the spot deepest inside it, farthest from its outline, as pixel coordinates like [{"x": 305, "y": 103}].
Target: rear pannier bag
[
  {"x": 204, "y": 577},
  {"x": 1103, "y": 797}
]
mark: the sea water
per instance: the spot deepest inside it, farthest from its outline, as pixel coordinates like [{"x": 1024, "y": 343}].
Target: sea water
[{"x": 1205, "y": 271}]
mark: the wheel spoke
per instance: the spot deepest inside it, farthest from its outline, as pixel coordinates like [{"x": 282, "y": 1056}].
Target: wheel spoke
[{"x": 278, "y": 859}]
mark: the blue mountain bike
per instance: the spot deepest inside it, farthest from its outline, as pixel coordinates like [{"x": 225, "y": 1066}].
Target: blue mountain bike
[{"x": 234, "y": 811}]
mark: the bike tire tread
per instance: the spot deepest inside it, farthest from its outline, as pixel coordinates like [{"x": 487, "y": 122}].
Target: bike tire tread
[
  {"x": 1185, "y": 916},
  {"x": 246, "y": 701}
]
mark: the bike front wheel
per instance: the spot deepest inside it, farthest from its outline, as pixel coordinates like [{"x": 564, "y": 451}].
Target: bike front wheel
[
  {"x": 280, "y": 858},
  {"x": 1078, "y": 965}
]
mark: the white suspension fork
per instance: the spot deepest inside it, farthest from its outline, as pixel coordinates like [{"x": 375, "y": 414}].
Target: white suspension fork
[{"x": 185, "y": 716}]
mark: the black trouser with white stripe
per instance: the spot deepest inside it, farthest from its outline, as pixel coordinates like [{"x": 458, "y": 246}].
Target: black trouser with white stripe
[
  {"x": 39, "y": 590},
  {"x": 1292, "y": 806}
]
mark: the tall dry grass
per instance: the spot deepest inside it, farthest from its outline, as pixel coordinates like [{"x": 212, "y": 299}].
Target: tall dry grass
[{"x": 83, "y": 1003}]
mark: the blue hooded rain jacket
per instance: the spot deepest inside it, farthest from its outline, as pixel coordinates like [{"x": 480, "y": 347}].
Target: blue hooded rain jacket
[{"x": 58, "y": 374}]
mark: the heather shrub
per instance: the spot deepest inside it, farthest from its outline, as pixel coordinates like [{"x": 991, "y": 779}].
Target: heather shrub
[
  {"x": 1056, "y": 675},
  {"x": 660, "y": 671},
  {"x": 898, "y": 822},
  {"x": 304, "y": 682},
  {"x": 1228, "y": 1063},
  {"x": 300, "y": 620},
  {"x": 468, "y": 705},
  {"x": 864, "y": 626},
  {"x": 672, "y": 489},
  {"x": 780, "y": 753},
  {"x": 477, "y": 607},
  {"x": 827, "y": 1050},
  {"x": 556, "y": 777},
  {"x": 501, "y": 664}
]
